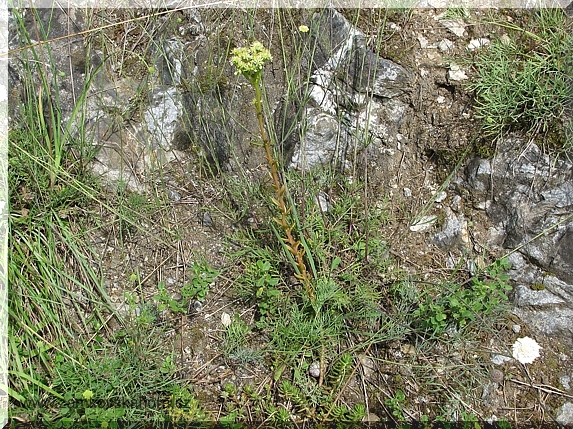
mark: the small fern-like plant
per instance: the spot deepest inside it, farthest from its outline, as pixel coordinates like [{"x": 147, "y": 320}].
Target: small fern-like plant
[
  {"x": 292, "y": 393},
  {"x": 339, "y": 371}
]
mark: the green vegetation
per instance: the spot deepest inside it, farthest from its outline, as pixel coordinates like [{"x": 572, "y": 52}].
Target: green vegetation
[
  {"x": 202, "y": 277},
  {"x": 523, "y": 79},
  {"x": 458, "y": 304},
  {"x": 319, "y": 290}
]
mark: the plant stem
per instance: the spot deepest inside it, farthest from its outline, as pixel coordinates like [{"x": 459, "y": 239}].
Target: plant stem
[{"x": 292, "y": 244}]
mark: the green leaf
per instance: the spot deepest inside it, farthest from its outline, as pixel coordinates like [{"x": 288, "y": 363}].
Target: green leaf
[{"x": 335, "y": 263}]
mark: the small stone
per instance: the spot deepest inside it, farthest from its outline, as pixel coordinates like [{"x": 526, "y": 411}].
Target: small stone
[
  {"x": 565, "y": 380},
  {"x": 371, "y": 418},
  {"x": 516, "y": 329},
  {"x": 456, "y": 203},
  {"x": 455, "y": 73},
  {"x": 408, "y": 349},
  {"x": 423, "y": 42},
  {"x": 464, "y": 233},
  {"x": 441, "y": 99},
  {"x": 456, "y": 26},
  {"x": 477, "y": 43},
  {"x": 225, "y": 319},
  {"x": 407, "y": 192},
  {"x": 440, "y": 196},
  {"x": 314, "y": 370},
  {"x": 505, "y": 39},
  {"x": 483, "y": 205},
  {"x": 491, "y": 419},
  {"x": 368, "y": 366},
  {"x": 323, "y": 202},
  {"x": 496, "y": 375},
  {"x": 423, "y": 224},
  {"x": 206, "y": 219},
  {"x": 445, "y": 45},
  {"x": 499, "y": 359},
  {"x": 173, "y": 195},
  {"x": 565, "y": 414}
]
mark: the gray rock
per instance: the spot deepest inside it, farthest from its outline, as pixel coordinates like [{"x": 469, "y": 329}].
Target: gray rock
[
  {"x": 565, "y": 414},
  {"x": 478, "y": 174},
  {"x": 531, "y": 204},
  {"x": 565, "y": 380},
  {"x": 526, "y": 297},
  {"x": 206, "y": 219},
  {"x": 453, "y": 233},
  {"x": 320, "y": 144},
  {"x": 355, "y": 97},
  {"x": 162, "y": 117}
]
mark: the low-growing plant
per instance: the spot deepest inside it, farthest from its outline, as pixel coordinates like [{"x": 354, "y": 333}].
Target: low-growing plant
[
  {"x": 234, "y": 342},
  {"x": 460, "y": 304},
  {"x": 184, "y": 409},
  {"x": 107, "y": 383},
  {"x": 202, "y": 277},
  {"x": 347, "y": 262},
  {"x": 166, "y": 302},
  {"x": 396, "y": 404}
]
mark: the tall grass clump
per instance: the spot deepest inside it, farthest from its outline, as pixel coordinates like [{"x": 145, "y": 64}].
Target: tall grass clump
[{"x": 63, "y": 368}]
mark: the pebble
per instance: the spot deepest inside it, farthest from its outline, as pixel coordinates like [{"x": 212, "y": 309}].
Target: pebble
[
  {"x": 445, "y": 45},
  {"x": 456, "y": 203},
  {"x": 440, "y": 196},
  {"x": 423, "y": 224},
  {"x": 423, "y": 42},
  {"x": 173, "y": 195},
  {"x": 477, "y": 43},
  {"x": 225, "y": 319},
  {"x": 314, "y": 370},
  {"x": 456, "y": 74},
  {"x": 496, "y": 375},
  {"x": 565, "y": 380},
  {"x": 197, "y": 306},
  {"x": 206, "y": 219},
  {"x": 323, "y": 203},
  {"x": 516, "y": 329},
  {"x": 499, "y": 359},
  {"x": 371, "y": 418},
  {"x": 456, "y": 26}
]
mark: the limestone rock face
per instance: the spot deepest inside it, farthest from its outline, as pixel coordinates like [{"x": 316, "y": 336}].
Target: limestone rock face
[
  {"x": 529, "y": 197},
  {"x": 355, "y": 98}
]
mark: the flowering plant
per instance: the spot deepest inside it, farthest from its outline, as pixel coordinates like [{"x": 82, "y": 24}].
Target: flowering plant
[
  {"x": 250, "y": 61},
  {"x": 526, "y": 350}
]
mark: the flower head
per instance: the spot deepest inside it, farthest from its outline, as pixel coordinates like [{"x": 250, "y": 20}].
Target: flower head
[
  {"x": 87, "y": 395},
  {"x": 526, "y": 350},
  {"x": 250, "y": 61},
  {"x": 303, "y": 29}
]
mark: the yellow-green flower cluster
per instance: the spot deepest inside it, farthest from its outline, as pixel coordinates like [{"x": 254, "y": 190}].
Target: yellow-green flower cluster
[{"x": 250, "y": 61}]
